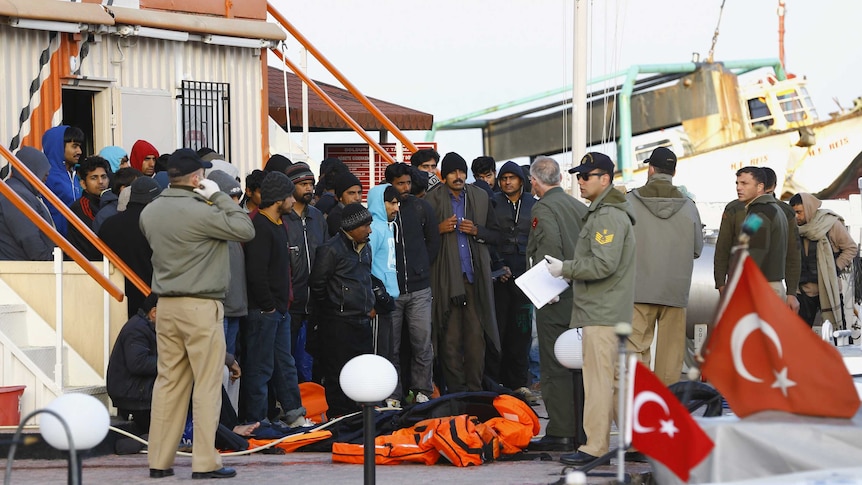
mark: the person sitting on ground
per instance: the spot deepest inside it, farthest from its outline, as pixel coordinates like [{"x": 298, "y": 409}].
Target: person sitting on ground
[{"x": 132, "y": 370}]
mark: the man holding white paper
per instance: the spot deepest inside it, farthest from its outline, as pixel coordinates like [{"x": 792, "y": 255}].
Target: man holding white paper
[{"x": 555, "y": 224}]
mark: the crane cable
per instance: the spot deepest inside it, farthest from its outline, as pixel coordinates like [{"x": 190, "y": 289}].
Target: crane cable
[{"x": 715, "y": 34}]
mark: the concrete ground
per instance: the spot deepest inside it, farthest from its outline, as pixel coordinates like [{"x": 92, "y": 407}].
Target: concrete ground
[{"x": 318, "y": 469}]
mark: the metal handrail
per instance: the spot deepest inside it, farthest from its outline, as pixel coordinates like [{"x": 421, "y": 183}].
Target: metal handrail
[
  {"x": 60, "y": 241},
  {"x": 335, "y": 107},
  {"x": 341, "y": 78}
]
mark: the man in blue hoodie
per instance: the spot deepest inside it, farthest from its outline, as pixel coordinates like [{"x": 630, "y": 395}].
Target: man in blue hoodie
[
  {"x": 62, "y": 146},
  {"x": 383, "y": 203},
  {"x": 20, "y": 239}
]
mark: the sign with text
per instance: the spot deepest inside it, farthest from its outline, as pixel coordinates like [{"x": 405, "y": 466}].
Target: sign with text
[{"x": 360, "y": 157}]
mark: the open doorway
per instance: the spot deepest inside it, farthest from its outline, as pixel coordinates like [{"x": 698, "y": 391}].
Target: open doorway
[{"x": 78, "y": 111}]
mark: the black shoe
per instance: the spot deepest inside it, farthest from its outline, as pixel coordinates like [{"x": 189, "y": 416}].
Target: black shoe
[
  {"x": 579, "y": 458},
  {"x": 552, "y": 443},
  {"x": 156, "y": 473},
  {"x": 220, "y": 473},
  {"x": 636, "y": 456}
]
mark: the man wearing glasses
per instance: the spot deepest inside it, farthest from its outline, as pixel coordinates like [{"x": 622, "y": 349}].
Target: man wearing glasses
[{"x": 603, "y": 275}]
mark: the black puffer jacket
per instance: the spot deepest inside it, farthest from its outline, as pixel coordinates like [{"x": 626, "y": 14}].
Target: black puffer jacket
[
  {"x": 132, "y": 367},
  {"x": 340, "y": 281}
]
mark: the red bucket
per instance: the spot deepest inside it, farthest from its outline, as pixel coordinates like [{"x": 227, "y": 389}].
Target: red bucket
[{"x": 10, "y": 405}]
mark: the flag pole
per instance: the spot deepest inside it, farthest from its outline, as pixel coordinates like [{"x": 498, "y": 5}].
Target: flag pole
[
  {"x": 623, "y": 330},
  {"x": 750, "y": 225}
]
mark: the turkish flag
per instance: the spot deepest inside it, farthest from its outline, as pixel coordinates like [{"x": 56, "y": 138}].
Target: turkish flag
[
  {"x": 762, "y": 356},
  {"x": 661, "y": 426}
]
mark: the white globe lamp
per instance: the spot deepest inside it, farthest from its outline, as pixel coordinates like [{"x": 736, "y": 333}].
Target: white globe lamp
[
  {"x": 368, "y": 379},
  {"x": 569, "y": 349},
  {"x": 87, "y": 419}
]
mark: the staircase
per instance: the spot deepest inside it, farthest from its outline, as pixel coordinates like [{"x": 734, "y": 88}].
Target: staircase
[{"x": 28, "y": 357}]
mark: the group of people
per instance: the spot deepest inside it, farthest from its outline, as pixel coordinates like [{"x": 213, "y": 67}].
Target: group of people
[{"x": 290, "y": 277}]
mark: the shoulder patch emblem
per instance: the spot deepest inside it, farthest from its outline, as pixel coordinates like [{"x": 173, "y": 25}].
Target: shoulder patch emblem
[
  {"x": 603, "y": 237},
  {"x": 535, "y": 222}
]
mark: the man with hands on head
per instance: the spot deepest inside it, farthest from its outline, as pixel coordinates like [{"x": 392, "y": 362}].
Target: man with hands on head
[{"x": 188, "y": 227}]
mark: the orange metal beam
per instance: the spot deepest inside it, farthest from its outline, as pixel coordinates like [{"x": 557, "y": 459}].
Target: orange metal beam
[
  {"x": 332, "y": 104},
  {"x": 344, "y": 81},
  {"x": 86, "y": 231}
]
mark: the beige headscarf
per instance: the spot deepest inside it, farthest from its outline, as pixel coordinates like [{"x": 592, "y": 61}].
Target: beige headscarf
[{"x": 817, "y": 225}]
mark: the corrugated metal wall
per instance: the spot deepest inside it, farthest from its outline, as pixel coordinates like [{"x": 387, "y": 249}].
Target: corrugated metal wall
[
  {"x": 19, "y": 70},
  {"x": 141, "y": 64}
]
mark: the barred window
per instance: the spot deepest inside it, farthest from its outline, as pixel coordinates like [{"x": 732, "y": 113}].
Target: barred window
[{"x": 206, "y": 116}]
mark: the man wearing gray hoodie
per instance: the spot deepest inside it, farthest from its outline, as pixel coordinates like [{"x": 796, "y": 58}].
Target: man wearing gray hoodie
[
  {"x": 20, "y": 239},
  {"x": 671, "y": 238}
]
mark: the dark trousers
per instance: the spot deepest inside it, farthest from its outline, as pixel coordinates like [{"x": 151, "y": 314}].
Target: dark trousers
[
  {"x": 463, "y": 354},
  {"x": 510, "y": 367},
  {"x": 343, "y": 339},
  {"x": 808, "y": 307}
]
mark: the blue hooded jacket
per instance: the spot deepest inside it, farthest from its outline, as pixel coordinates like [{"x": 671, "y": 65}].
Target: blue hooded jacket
[
  {"x": 63, "y": 183},
  {"x": 382, "y": 241}
]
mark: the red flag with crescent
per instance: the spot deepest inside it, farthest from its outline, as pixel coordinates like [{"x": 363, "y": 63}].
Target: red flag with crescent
[
  {"x": 762, "y": 356},
  {"x": 661, "y": 427}
]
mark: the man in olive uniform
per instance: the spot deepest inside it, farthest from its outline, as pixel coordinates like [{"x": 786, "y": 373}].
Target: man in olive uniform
[{"x": 555, "y": 224}]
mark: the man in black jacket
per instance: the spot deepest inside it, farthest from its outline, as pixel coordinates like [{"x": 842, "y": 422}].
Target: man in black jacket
[
  {"x": 122, "y": 233},
  {"x": 513, "y": 207},
  {"x": 266, "y": 335},
  {"x": 93, "y": 175},
  {"x": 344, "y": 301},
  {"x": 306, "y": 231},
  {"x": 417, "y": 242},
  {"x": 132, "y": 368}
]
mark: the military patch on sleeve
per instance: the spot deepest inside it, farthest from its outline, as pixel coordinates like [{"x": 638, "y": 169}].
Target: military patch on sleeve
[
  {"x": 535, "y": 222},
  {"x": 603, "y": 237}
]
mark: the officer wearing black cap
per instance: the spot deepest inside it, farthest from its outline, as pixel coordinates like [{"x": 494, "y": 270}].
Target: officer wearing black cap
[
  {"x": 188, "y": 227},
  {"x": 602, "y": 273},
  {"x": 666, "y": 219}
]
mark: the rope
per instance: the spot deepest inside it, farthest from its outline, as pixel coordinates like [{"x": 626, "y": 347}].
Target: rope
[
  {"x": 715, "y": 35},
  {"x": 259, "y": 448}
]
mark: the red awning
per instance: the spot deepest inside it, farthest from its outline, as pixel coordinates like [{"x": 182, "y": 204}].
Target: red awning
[{"x": 322, "y": 118}]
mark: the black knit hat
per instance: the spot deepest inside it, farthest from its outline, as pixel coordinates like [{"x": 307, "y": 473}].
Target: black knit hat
[
  {"x": 299, "y": 172},
  {"x": 344, "y": 181},
  {"x": 275, "y": 186},
  {"x": 277, "y": 163},
  {"x": 451, "y": 162},
  {"x": 354, "y": 215}
]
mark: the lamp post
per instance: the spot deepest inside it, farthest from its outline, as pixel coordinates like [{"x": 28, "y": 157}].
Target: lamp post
[
  {"x": 87, "y": 421},
  {"x": 368, "y": 379}
]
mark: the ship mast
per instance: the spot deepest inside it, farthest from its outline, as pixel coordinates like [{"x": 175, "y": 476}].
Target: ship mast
[{"x": 781, "y": 11}]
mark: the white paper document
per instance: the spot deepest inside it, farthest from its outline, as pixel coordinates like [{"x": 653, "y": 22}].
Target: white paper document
[{"x": 539, "y": 285}]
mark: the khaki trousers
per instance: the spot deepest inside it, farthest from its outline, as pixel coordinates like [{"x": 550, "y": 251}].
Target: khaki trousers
[
  {"x": 670, "y": 342},
  {"x": 190, "y": 338},
  {"x": 600, "y": 387}
]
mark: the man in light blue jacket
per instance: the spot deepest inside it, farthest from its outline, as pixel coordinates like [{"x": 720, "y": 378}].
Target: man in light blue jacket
[{"x": 383, "y": 203}]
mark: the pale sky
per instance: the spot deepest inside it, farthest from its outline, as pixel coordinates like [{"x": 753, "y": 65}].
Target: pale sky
[{"x": 451, "y": 57}]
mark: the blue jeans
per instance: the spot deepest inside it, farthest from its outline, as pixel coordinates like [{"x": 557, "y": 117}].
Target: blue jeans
[
  {"x": 231, "y": 331},
  {"x": 267, "y": 358}
]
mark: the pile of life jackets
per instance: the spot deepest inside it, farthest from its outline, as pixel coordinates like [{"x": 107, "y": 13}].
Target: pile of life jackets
[{"x": 463, "y": 440}]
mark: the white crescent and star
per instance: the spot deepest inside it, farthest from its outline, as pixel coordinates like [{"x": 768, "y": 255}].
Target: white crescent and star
[
  {"x": 667, "y": 426},
  {"x": 744, "y": 327}
]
